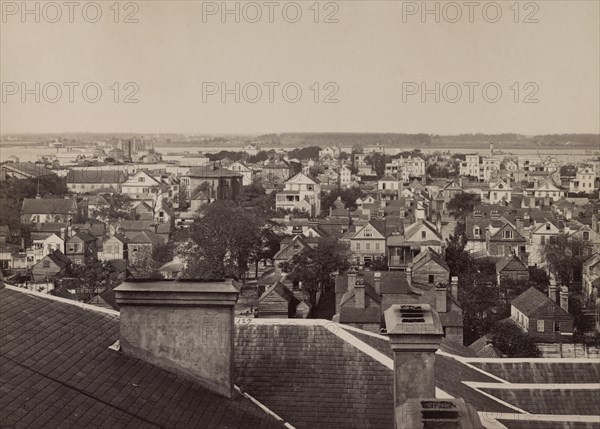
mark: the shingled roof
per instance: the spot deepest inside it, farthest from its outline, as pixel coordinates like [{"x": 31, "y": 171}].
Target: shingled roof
[
  {"x": 530, "y": 301},
  {"x": 96, "y": 176},
  {"x": 58, "y": 371},
  {"x": 56, "y": 206}
]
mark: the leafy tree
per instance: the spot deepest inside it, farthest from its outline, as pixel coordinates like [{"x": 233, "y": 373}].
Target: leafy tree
[
  {"x": 94, "y": 275},
  {"x": 568, "y": 170},
  {"x": 512, "y": 341},
  {"x": 224, "y": 240},
  {"x": 311, "y": 152},
  {"x": 377, "y": 161},
  {"x": 313, "y": 267},
  {"x": 348, "y": 196},
  {"x": 119, "y": 208},
  {"x": 380, "y": 264},
  {"x": 565, "y": 258},
  {"x": 144, "y": 266},
  {"x": 462, "y": 204},
  {"x": 259, "y": 157}
]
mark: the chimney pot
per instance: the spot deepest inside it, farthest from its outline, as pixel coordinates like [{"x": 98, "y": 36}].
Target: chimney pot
[{"x": 182, "y": 326}]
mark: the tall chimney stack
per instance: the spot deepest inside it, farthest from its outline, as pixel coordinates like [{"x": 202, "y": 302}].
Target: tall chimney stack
[
  {"x": 564, "y": 298},
  {"x": 183, "y": 326},
  {"x": 415, "y": 333},
  {"x": 441, "y": 298},
  {"x": 454, "y": 287},
  {"x": 359, "y": 293},
  {"x": 552, "y": 288},
  {"x": 377, "y": 281}
]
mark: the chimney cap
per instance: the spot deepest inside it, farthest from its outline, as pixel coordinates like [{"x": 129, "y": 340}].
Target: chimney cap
[
  {"x": 187, "y": 293},
  {"x": 413, "y": 326},
  {"x": 454, "y": 279}
]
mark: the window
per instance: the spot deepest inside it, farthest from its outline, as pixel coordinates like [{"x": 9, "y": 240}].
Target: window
[
  {"x": 586, "y": 235},
  {"x": 507, "y": 234},
  {"x": 476, "y": 231},
  {"x": 431, "y": 278},
  {"x": 368, "y": 232},
  {"x": 547, "y": 227},
  {"x": 357, "y": 246},
  {"x": 46, "y": 264},
  {"x": 540, "y": 326},
  {"x": 423, "y": 234},
  {"x": 556, "y": 326},
  {"x": 141, "y": 179},
  {"x": 542, "y": 240},
  {"x": 368, "y": 246},
  {"x": 376, "y": 246}
]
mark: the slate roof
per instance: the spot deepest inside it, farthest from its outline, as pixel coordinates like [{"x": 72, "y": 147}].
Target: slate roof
[
  {"x": 210, "y": 172},
  {"x": 49, "y": 206},
  {"x": 429, "y": 255},
  {"x": 56, "y": 365},
  {"x": 57, "y": 371},
  {"x": 503, "y": 263},
  {"x": 59, "y": 258},
  {"x": 360, "y": 315},
  {"x": 94, "y": 176},
  {"x": 29, "y": 168},
  {"x": 530, "y": 301},
  {"x": 551, "y": 401}
]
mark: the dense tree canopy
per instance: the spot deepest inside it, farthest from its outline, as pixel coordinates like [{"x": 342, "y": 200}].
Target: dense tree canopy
[
  {"x": 313, "y": 267},
  {"x": 512, "y": 341},
  {"x": 565, "y": 257},
  {"x": 311, "y": 152},
  {"x": 462, "y": 204}
]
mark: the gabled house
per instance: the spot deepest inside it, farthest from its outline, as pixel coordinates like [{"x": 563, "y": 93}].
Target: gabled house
[
  {"x": 246, "y": 172},
  {"x": 43, "y": 243},
  {"x": 146, "y": 186},
  {"x": 81, "y": 248},
  {"x": 301, "y": 192},
  {"x": 113, "y": 248},
  {"x": 288, "y": 249},
  {"x": 140, "y": 245},
  {"x": 541, "y": 318},
  {"x": 547, "y": 189},
  {"x": 43, "y": 210},
  {"x": 50, "y": 265},
  {"x": 500, "y": 192},
  {"x": 92, "y": 179},
  {"x": 505, "y": 241},
  {"x": 540, "y": 235},
  {"x": 403, "y": 247},
  {"x": 430, "y": 268},
  {"x": 368, "y": 242},
  {"x": 511, "y": 268},
  {"x": 278, "y": 302},
  {"x": 360, "y": 305}
]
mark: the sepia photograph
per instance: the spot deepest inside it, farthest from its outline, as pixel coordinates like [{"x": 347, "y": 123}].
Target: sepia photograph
[{"x": 310, "y": 214}]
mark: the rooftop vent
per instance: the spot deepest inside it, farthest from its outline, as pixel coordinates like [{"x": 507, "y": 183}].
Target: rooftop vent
[{"x": 437, "y": 414}]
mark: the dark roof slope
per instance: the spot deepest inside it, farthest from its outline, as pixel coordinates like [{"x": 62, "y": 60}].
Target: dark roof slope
[
  {"x": 544, "y": 372},
  {"x": 530, "y": 301},
  {"x": 49, "y": 206},
  {"x": 57, "y": 371},
  {"x": 92, "y": 175}
]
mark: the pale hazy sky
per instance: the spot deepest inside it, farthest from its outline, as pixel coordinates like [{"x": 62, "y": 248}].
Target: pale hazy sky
[{"x": 368, "y": 54}]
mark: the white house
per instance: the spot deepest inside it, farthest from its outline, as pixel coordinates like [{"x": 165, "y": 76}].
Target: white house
[
  {"x": 246, "y": 172},
  {"x": 547, "y": 189},
  {"x": 389, "y": 183},
  {"x": 43, "y": 243},
  {"x": 500, "y": 192},
  {"x": 345, "y": 176},
  {"x": 301, "y": 192},
  {"x": 584, "y": 180}
]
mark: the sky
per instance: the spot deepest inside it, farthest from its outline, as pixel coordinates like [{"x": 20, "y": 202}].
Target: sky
[{"x": 364, "y": 66}]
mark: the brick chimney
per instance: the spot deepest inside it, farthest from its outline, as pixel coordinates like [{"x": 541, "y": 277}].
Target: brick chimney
[
  {"x": 359, "y": 293},
  {"x": 183, "y": 326},
  {"x": 441, "y": 298},
  {"x": 377, "y": 281},
  {"x": 564, "y": 298},
  {"x": 437, "y": 413},
  {"x": 520, "y": 226},
  {"x": 552, "y": 289},
  {"x": 454, "y": 287},
  {"x": 415, "y": 333}
]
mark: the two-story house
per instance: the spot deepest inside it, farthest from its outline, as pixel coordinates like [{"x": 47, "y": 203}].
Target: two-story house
[
  {"x": 301, "y": 192},
  {"x": 43, "y": 243},
  {"x": 145, "y": 186},
  {"x": 44, "y": 210},
  {"x": 113, "y": 248},
  {"x": 217, "y": 183},
  {"x": 246, "y": 172},
  {"x": 95, "y": 179},
  {"x": 500, "y": 192},
  {"x": 585, "y": 180},
  {"x": 547, "y": 189},
  {"x": 540, "y": 235},
  {"x": 403, "y": 247},
  {"x": 81, "y": 248},
  {"x": 368, "y": 242},
  {"x": 51, "y": 265}
]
